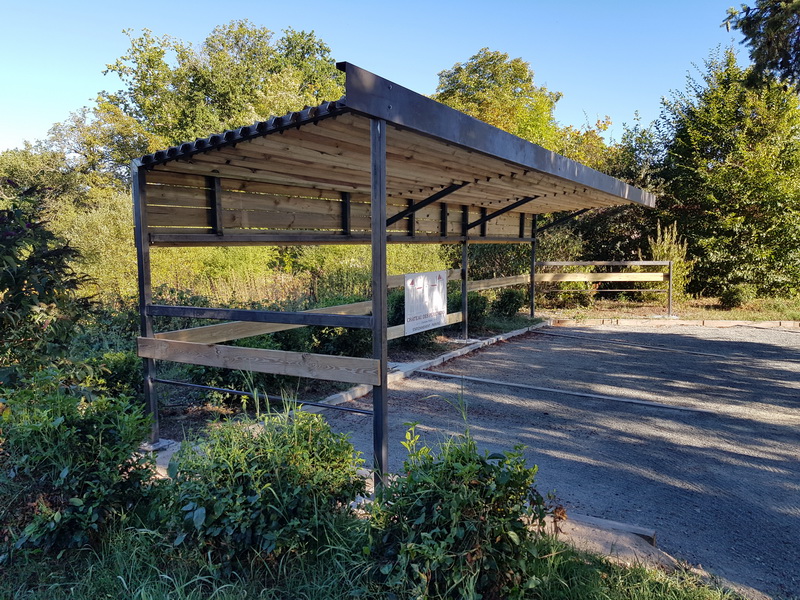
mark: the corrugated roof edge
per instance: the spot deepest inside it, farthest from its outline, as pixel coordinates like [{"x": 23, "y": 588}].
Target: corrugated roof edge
[{"x": 309, "y": 114}]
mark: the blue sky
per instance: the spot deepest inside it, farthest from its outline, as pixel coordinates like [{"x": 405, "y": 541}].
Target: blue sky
[{"x": 607, "y": 58}]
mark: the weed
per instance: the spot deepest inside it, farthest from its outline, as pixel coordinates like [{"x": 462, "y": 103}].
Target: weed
[
  {"x": 457, "y": 524},
  {"x": 70, "y": 464}
]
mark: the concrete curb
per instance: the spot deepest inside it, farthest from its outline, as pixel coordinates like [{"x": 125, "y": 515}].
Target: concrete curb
[{"x": 402, "y": 370}]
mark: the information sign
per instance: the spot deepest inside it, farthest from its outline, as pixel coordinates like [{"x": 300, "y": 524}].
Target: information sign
[{"x": 426, "y": 301}]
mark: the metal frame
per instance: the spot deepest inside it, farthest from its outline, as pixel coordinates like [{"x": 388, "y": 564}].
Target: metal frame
[
  {"x": 505, "y": 165},
  {"x": 380, "y": 400}
]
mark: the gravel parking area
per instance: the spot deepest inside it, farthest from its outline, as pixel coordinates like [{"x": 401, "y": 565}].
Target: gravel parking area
[{"x": 719, "y": 481}]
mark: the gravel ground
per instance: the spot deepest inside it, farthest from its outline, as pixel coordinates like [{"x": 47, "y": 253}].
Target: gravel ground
[{"x": 720, "y": 487}]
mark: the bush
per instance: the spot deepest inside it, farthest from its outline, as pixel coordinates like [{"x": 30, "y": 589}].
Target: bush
[
  {"x": 457, "y": 524},
  {"x": 737, "y": 296},
  {"x": 267, "y": 485},
  {"x": 39, "y": 303},
  {"x": 668, "y": 245},
  {"x": 477, "y": 307},
  {"x": 120, "y": 373},
  {"x": 508, "y": 303},
  {"x": 72, "y": 463}
]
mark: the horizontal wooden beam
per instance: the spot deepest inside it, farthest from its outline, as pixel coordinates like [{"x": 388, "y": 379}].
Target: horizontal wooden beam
[
  {"x": 497, "y": 282},
  {"x": 260, "y": 316},
  {"x": 602, "y": 277},
  {"x": 395, "y": 281},
  {"x": 236, "y": 330},
  {"x": 602, "y": 263},
  {"x": 317, "y": 366}
]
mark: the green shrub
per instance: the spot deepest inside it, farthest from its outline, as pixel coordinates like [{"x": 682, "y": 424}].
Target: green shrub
[
  {"x": 269, "y": 485},
  {"x": 39, "y": 301},
  {"x": 458, "y": 524},
  {"x": 668, "y": 245},
  {"x": 120, "y": 373},
  {"x": 737, "y": 296},
  {"x": 73, "y": 465},
  {"x": 508, "y": 303},
  {"x": 477, "y": 307}
]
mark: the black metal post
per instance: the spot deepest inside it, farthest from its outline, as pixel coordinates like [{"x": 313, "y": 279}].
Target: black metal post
[
  {"x": 380, "y": 416},
  {"x": 533, "y": 267},
  {"x": 669, "y": 300},
  {"x": 464, "y": 295},
  {"x": 145, "y": 291}
]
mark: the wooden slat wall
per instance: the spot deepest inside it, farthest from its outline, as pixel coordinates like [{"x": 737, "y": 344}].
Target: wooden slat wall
[
  {"x": 292, "y": 182},
  {"x": 182, "y": 203}
]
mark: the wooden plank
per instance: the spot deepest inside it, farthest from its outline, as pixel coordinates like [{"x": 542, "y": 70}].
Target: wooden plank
[
  {"x": 176, "y": 196},
  {"x": 293, "y": 204},
  {"x": 270, "y": 177},
  {"x": 395, "y": 281},
  {"x": 602, "y": 277},
  {"x": 498, "y": 282},
  {"x": 245, "y": 219},
  {"x": 236, "y": 330},
  {"x": 162, "y": 175},
  {"x": 317, "y": 366},
  {"x": 259, "y": 187},
  {"x": 608, "y": 263},
  {"x": 252, "y": 237},
  {"x": 398, "y": 331},
  {"x": 173, "y": 216}
]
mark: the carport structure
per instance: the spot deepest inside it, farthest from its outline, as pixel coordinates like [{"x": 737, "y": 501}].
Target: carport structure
[{"x": 381, "y": 165}]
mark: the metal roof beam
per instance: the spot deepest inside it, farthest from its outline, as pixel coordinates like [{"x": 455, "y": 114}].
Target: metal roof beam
[
  {"x": 501, "y": 211},
  {"x": 569, "y": 217},
  {"x": 423, "y": 203}
]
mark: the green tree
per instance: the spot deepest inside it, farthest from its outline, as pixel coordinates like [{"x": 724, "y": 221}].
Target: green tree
[
  {"x": 173, "y": 91},
  {"x": 732, "y": 179},
  {"x": 620, "y": 232},
  {"x": 500, "y": 91},
  {"x": 772, "y": 31},
  {"x": 236, "y": 76}
]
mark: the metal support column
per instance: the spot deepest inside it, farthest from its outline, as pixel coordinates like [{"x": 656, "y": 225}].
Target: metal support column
[
  {"x": 533, "y": 267},
  {"x": 145, "y": 291},
  {"x": 380, "y": 417},
  {"x": 464, "y": 295},
  {"x": 669, "y": 300}
]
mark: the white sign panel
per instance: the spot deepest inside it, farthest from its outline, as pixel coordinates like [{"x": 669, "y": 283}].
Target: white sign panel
[{"x": 426, "y": 301}]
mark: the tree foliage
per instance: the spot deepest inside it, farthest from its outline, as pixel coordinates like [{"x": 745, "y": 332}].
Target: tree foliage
[
  {"x": 173, "y": 91},
  {"x": 500, "y": 91},
  {"x": 39, "y": 305},
  {"x": 237, "y": 75},
  {"x": 732, "y": 179},
  {"x": 772, "y": 31}
]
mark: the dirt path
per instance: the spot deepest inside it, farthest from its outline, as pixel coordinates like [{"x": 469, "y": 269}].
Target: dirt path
[{"x": 721, "y": 487}]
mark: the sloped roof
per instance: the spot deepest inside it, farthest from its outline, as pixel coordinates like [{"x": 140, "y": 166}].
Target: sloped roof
[{"x": 433, "y": 151}]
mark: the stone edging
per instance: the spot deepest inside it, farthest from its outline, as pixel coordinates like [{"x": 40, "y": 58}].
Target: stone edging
[{"x": 670, "y": 322}]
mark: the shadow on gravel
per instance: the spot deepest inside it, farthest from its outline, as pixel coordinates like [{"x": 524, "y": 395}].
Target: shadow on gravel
[{"x": 722, "y": 490}]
